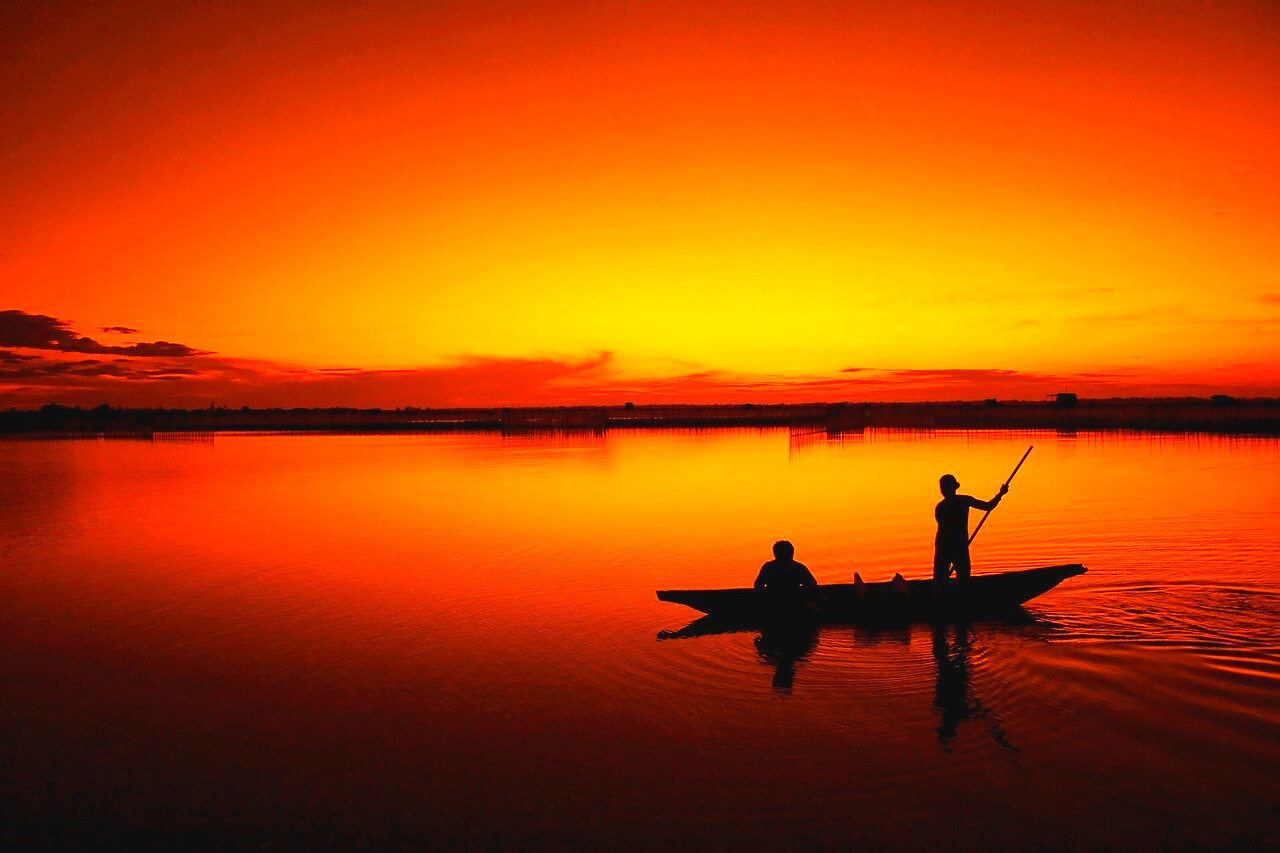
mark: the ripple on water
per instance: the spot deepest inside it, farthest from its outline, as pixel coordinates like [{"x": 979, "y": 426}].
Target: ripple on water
[{"x": 1196, "y": 617}]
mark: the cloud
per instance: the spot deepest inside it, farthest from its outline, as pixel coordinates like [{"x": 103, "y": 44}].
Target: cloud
[
  {"x": 118, "y": 330},
  {"x": 938, "y": 377},
  {"x": 61, "y": 366},
  {"x": 1157, "y": 314},
  {"x": 91, "y": 368},
  {"x": 200, "y": 380},
  {"x": 856, "y": 383},
  {"x": 40, "y": 331},
  {"x": 1271, "y": 298},
  {"x": 963, "y": 375},
  {"x": 479, "y": 381}
]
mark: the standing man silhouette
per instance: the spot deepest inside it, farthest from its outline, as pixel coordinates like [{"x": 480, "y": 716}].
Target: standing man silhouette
[{"x": 951, "y": 545}]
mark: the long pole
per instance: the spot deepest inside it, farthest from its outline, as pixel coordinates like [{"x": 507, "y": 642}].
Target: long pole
[{"x": 1006, "y": 482}]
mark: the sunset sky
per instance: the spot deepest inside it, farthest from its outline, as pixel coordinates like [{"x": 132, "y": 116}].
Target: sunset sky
[{"x": 386, "y": 204}]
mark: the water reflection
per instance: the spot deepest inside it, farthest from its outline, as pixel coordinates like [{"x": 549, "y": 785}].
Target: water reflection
[
  {"x": 783, "y": 645},
  {"x": 189, "y": 664},
  {"x": 955, "y": 644},
  {"x": 953, "y": 695}
]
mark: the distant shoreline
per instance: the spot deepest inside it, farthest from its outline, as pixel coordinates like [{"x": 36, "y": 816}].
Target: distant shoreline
[{"x": 1218, "y": 414}]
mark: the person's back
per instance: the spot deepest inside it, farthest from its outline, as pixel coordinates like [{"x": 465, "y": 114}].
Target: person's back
[
  {"x": 952, "y": 514},
  {"x": 782, "y": 578}
]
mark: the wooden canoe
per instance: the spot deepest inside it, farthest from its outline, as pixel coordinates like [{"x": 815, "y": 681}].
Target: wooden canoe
[{"x": 895, "y": 599}]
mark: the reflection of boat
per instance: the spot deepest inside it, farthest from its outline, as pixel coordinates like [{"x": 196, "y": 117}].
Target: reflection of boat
[
  {"x": 895, "y": 599},
  {"x": 710, "y": 626},
  {"x": 784, "y": 644}
]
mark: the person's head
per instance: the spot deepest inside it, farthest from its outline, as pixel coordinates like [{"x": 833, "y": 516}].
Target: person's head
[
  {"x": 784, "y": 550},
  {"x": 948, "y": 484}
]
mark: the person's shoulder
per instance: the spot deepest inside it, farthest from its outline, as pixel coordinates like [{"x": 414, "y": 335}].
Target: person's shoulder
[
  {"x": 769, "y": 564},
  {"x": 799, "y": 565}
]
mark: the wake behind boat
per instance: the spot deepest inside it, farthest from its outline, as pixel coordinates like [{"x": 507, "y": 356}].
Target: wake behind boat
[{"x": 895, "y": 599}]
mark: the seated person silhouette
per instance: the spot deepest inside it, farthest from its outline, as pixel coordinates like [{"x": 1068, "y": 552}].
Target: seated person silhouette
[
  {"x": 782, "y": 579},
  {"x": 951, "y": 545}
]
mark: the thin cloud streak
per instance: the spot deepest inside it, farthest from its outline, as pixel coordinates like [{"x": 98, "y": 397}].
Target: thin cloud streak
[
  {"x": 481, "y": 382},
  {"x": 204, "y": 380}
]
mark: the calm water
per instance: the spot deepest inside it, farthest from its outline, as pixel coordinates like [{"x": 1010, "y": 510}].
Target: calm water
[{"x": 434, "y": 639}]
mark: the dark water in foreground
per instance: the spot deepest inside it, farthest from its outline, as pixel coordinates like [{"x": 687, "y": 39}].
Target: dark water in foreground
[{"x": 434, "y": 639}]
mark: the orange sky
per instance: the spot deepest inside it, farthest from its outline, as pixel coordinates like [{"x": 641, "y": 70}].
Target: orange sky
[{"x": 452, "y": 204}]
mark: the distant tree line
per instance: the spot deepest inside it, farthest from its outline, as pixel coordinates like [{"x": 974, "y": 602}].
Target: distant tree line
[{"x": 1065, "y": 411}]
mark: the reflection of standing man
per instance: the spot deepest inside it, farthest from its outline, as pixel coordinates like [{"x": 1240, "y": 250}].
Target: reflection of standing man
[
  {"x": 951, "y": 545},
  {"x": 951, "y": 690},
  {"x": 953, "y": 698}
]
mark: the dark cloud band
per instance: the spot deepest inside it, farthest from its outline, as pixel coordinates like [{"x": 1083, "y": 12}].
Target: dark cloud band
[{"x": 39, "y": 331}]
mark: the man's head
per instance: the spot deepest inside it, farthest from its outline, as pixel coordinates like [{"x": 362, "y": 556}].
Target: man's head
[
  {"x": 948, "y": 484},
  {"x": 784, "y": 550}
]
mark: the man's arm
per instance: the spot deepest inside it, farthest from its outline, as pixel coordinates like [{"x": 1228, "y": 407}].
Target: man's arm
[
  {"x": 987, "y": 506},
  {"x": 760, "y": 578},
  {"x": 806, "y": 576}
]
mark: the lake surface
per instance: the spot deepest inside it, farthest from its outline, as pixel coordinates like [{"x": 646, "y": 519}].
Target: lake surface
[{"x": 435, "y": 639}]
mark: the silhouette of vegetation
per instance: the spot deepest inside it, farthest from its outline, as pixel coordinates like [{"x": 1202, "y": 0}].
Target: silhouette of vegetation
[{"x": 1218, "y": 414}]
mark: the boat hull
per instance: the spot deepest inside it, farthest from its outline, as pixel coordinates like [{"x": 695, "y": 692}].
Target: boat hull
[{"x": 981, "y": 594}]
